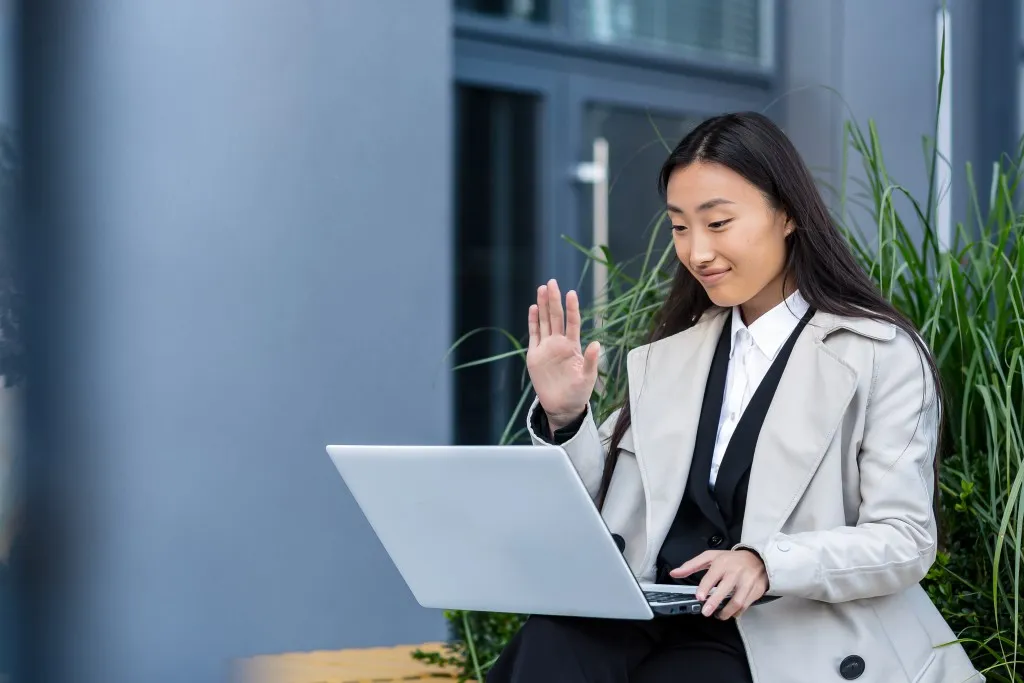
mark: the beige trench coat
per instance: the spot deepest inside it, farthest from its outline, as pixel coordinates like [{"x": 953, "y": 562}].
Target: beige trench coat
[{"x": 839, "y": 500}]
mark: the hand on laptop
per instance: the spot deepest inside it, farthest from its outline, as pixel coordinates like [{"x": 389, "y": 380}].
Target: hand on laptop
[
  {"x": 739, "y": 575},
  {"x": 562, "y": 373}
]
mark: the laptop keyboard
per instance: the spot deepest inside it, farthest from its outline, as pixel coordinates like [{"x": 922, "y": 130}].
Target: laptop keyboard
[{"x": 659, "y": 597}]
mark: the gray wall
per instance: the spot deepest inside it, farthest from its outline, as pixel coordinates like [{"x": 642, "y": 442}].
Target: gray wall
[
  {"x": 861, "y": 60},
  {"x": 8, "y": 67},
  {"x": 253, "y": 213}
]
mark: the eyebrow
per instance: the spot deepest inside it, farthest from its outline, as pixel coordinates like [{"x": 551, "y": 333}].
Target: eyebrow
[{"x": 709, "y": 204}]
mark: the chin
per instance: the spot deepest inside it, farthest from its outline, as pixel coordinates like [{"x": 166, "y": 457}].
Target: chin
[{"x": 724, "y": 298}]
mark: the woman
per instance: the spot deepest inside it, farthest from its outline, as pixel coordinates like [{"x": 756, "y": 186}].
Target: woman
[{"x": 778, "y": 441}]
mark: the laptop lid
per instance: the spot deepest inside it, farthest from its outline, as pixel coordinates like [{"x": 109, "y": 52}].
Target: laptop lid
[{"x": 492, "y": 528}]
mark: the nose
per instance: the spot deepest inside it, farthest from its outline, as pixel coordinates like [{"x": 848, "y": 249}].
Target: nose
[{"x": 701, "y": 248}]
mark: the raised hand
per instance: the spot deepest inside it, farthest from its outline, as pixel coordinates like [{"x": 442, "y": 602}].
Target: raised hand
[{"x": 562, "y": 373}]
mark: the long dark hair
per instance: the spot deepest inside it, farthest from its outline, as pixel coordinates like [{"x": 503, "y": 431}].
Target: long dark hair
[{"x": 818, "y": 257}]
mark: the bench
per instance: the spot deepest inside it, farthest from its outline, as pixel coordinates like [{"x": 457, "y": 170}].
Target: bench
[{"x": 367, "y": 665}]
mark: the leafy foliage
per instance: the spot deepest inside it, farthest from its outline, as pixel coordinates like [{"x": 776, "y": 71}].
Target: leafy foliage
[
  {"x": 477, "y": 639},
  {"x": 967, "y": 301}
]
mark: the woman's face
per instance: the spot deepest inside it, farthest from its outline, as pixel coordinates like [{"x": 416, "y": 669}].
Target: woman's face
[{"x": 728, "y": 236}]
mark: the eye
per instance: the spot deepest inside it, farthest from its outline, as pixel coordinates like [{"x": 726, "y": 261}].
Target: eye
[
  {"x": 678, "y": 228},
  {"x": 719, "y": 224}
]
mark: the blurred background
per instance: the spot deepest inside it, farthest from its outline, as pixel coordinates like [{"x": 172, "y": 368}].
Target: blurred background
[{"x": 249, "y": 229}]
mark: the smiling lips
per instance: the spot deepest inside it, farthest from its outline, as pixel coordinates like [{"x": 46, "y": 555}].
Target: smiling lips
[{"x": 712, "y": 276}]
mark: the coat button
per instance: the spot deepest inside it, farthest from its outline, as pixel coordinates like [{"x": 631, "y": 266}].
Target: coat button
[
  {"x": 784, "y": 547},
  {"x": 715, "y": 541},
  {"x": 852, "y": 667}
]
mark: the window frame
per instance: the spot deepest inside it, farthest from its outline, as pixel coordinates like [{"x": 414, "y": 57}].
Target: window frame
[{"x": 556, "y": 39}]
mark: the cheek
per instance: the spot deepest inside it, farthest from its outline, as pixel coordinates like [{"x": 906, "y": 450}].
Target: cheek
[{"x": 756, "y": 250}]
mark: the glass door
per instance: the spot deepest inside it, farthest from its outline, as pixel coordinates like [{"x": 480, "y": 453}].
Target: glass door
[
  {"x": 621, "y": 147},
  {"x": 637, "y": 142},
  {"x": 495, "y": 251},
  {"x": 503, "y": 170}
]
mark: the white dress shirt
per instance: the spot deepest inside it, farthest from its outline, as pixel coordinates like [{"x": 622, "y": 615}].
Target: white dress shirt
[{"x": 752, "y": 351}]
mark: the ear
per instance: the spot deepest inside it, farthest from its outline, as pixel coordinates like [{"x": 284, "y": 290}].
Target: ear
[{"x": 789, "y": 228}]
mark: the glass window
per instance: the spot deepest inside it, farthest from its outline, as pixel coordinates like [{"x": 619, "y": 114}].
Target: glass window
[
  {"x": 495, "y": 242},
  {"x": 638, "y": 144},
  {"x": 735, "y": 30},
  {"x": 537, "y": 11}
]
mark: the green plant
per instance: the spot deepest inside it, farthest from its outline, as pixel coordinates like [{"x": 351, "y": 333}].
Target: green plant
[
  {"x": 967, "y": 301},
  {"x": 966, "y": 298},
  {"x": 477, "y": 639}
]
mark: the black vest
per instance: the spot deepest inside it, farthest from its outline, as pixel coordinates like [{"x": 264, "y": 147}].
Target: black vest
[{"x": 713, "y": 518}]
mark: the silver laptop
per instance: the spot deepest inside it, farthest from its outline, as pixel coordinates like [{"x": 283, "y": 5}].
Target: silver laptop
[{"x": 498, "y": 529}]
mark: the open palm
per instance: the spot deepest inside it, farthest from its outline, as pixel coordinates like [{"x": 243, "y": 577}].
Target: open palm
[{"x": 562, "y": 373}]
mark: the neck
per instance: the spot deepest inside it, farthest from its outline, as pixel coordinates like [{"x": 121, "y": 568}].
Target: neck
[{"x": 767, "y": 299}]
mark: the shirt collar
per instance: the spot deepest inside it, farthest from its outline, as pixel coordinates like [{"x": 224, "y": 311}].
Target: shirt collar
[{"x": 772, "y": 329}]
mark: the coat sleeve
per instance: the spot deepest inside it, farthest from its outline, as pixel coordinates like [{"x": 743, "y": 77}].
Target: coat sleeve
[
  {"x": 586, "y": 448},
  {"x": 893, "y": 543}
]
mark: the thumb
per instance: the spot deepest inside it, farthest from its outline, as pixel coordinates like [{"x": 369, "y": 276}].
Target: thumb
[{"x": 590, "y": 358}]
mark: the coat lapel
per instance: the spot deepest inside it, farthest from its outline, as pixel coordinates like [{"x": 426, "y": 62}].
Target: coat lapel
[
  {"x": 813, "y": 394},
  {"x": 666, "y": 388},
  {"x": 666, "y": 391}
]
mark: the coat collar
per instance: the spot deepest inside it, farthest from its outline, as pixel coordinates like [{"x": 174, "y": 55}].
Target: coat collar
[
  {"x": 666, "y": 387},
  {"x": 822, "y": 325},
  {"x": 770, "y": 332}
]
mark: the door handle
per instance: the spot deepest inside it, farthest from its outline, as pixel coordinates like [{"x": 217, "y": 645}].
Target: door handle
[{"x": 595, "y": 173}]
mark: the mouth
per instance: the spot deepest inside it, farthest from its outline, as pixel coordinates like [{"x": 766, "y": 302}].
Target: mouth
[{"x": 710, "y": 277}]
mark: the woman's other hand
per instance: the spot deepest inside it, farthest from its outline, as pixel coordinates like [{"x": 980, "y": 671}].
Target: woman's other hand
[{"x": 737, "y": 573}]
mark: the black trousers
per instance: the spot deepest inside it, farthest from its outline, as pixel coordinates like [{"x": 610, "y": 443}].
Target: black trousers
[{"x": 672, "y": 649}]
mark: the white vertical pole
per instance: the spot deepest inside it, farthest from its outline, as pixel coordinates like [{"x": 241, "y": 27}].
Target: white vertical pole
[
  {"x": 944, "y": 139},
  {"x": 600, "y": 227}
]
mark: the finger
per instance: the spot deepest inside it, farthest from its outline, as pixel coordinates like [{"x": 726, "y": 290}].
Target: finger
[
  {"x": 542, "y": 312},
  {"x": 738, "y": 604},
  {"x": 534, "y": 325},
  {"x": 753, "y": 592},
  {"x": 722, "y": 590},
  {"x": 590, "y": 359},
  {"x": 555, "y": 308},
  {"x": 702, "y": 561},
  {"x": 573, "y": 322},
  {"x": 710, "y": 580}
]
